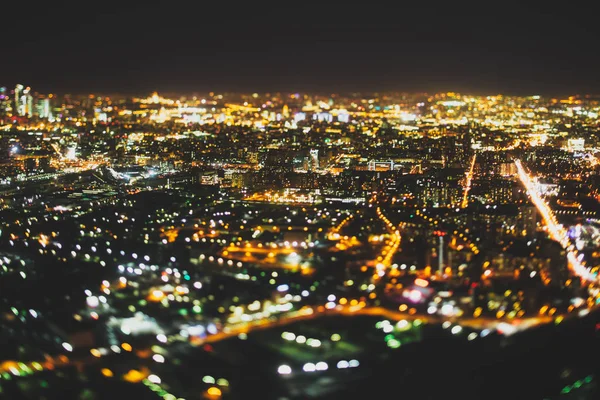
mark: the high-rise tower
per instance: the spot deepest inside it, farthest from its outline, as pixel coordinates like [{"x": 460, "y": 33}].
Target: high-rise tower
[
  {"x": 314, "y": 159},
  {"x": 18, "y": 94}
]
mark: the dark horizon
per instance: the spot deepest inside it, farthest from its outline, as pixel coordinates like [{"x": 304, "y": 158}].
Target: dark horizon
[
  {"x": 324, "y": 48},
  {"x": 363, "y": 93}
]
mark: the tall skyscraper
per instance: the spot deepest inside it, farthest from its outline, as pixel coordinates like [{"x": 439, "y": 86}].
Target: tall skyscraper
[
  {"x": 23, "y": 101},
  {"x": 18, "y": 93},
  {"x": 42, "y": 108},
  {"x": 28, "y": 102},
  {"x": 4, "y": 102},
  {"x": 314, "y": 159}
]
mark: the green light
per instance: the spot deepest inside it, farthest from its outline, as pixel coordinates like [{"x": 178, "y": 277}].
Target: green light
[
  {"x": 577, "y": 384},
  {"x": 394, "y": 344},
  {"x": 222, "y": 382},
  {"x": 186, "y": 277},
  {"x": 197, "y": 309},
  {"x": 566, "y": 389},
  {"x": 25, "y": 368},
  {"x": 389, "y": 337},
  {"x": 183, "y": 312},
  {"x": 588, "y": 379}
]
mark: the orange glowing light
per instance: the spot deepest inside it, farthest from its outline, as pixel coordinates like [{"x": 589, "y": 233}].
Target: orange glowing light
[
  {"x": 421, "y": 282},
  {"x": 134, "y": 376},
  {"x": 214, "y": 392}
]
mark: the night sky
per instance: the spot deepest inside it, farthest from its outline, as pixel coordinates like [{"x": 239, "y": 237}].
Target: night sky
[{"x": 300, "y": 46}]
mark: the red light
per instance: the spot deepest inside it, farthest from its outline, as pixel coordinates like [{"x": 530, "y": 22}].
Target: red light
[
  {"x": 598, "y": 326},
  {"x": 421, "y": 282}
]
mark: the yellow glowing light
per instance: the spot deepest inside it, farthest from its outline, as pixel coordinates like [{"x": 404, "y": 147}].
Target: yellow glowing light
[
  {"x": 134, "y": 376},
  {"x": 96, "y": 353},
  {"x": 214, "y": 391},
  {"x": 156, "y": 295}
]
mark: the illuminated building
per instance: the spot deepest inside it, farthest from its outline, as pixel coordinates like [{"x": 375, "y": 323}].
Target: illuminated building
[
  {"x": 381, "y": 165},
  {"x": 343, "y": 117},
  {"x": 438, "y": 191},
  {"x": 23, "y": 101},
  {"x": 5, "y": 106},
  {"x": 42, "y": 108},
  {"x": 314, "y": 160},
  {"x": 299, "y": 117},
  {"x": 28, "y": 102},
  {"x": 18, "y": 94},
  {"x": 576, "y": 144},
  {"x": 71, "y": 152},
  {"x": 209, "y": 178},
  {"x": 440, "y": 236},
  {"x": 493, "y": 191},
  {"x": 508, "y": 169},
  {"x": 323, "y": 117}
]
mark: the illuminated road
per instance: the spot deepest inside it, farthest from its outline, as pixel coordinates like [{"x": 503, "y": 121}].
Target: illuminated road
[
  {"x": 30, "y": 367},
  {"x": 334, "y": 233},
  {"x": 475, "y": 323},
  {"x": 469, "y": 178},
  {"x": 272, "y": 257},
  {"x": 246, "y": 327},
  {"x": 389, "y": 250},
  {"x": 555, "y": 230},
  {"x": 307, "y": 313}
]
